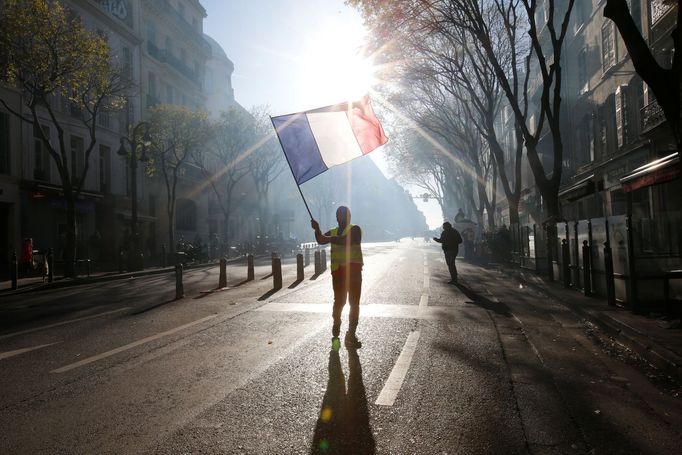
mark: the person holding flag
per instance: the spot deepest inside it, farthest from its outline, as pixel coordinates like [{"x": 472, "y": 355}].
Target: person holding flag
[
  {"x": 314, "y": 141},
  {"x": 346, "y": 267}
]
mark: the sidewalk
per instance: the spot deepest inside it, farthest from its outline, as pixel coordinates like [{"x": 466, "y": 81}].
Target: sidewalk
[
  {"x": 37, "y": 284},
  {"x": 648, "y": 337}
]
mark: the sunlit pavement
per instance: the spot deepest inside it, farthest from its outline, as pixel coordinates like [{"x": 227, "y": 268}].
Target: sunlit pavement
[{"x": 483, "y": 367}]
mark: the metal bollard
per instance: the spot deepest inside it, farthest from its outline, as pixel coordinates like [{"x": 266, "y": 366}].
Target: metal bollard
[
  {"x": 323, "y": 259},
  {"x": 299, "y": 267},
  {"x": 250, "y": 274},
  {"x": 318, "y": 263},
  {"x": 179, "y": 289},
  {"x": 222, "y": 281},
  {"x": 276, "y": 273},
  {"x": 587, "y": 269},
  {"x": 87, "y": 267},
  {"x": 306, "y": 257},
  {"x": 50, "y": 265},
  {"x": 14, "y": 271},
  {"x": 566, "y": 263},
  {"x": 608, "y": 271},
  {"x": 163, "y": 255}
]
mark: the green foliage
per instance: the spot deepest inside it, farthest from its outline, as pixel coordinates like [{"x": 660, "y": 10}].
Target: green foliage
[
  {"x": 45, "y": 50},
  {"x": 178, "y": 136}
]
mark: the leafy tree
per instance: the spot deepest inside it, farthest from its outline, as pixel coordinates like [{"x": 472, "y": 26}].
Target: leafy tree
[
  {"x": 49, "y": 56},
  {"x": 178, "y": 137},
  {"x": 665, "y": 83}
]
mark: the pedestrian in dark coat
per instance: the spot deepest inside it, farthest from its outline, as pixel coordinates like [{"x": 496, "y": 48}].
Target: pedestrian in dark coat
[{"x": 450, "y": 239}]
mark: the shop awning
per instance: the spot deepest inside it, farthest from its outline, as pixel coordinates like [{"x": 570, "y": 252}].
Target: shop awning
[
  {"x": 579, "y": 189},
  {"x": 659, "y": 171}
]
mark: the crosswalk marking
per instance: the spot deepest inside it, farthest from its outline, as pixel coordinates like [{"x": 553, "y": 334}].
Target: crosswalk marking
[
  {"x": 395, "y": 380},
  {"x": 129, "y": 346}
]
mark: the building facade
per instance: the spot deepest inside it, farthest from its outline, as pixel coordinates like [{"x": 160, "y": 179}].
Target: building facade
[{"x": 31, "y": 200}]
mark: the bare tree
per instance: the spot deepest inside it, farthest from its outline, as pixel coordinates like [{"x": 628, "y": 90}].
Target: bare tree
[
  {"x": 265, "y": 165},
  {"x": 232, "y": 140}
]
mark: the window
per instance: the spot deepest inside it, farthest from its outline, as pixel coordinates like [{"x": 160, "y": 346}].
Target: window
[
  {"x": 169, "y": 46},
  {"x": 77, "y": 158},
  {"x": 583, "y": 81},
  {"x": 622, "y": 117},
  {"x": 103, "y": 119},
  {"x": 4, "y": 144},
  {"x": 169, "y": 94},
  {"x": 608, "y": 45},
  {"x": 104, "y": 169},
  {"x": 127, "y": 62},
  {"x": 585, "y": 141},
  {"x": 151, "y": 33},
  {"x": 41, "y": 156}
]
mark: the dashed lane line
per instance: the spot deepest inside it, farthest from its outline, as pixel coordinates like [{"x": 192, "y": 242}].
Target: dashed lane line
[
  {"x": 395, "y": 380},
  {"x": 71, "y": 321},
  {"x": 8, "y": 354},
  {"x": 128, "y": 346}
]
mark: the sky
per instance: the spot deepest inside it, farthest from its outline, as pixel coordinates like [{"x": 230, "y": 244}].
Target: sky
[{"x": 296, "y": 55}]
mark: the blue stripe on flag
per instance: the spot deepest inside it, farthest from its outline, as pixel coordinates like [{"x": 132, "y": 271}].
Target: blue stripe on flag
[{"x": 299, "y": 146}]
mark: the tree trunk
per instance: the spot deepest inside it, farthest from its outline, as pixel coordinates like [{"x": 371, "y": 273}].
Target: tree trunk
[
  {"x": 513, "y": 210},
  {"x": 171, "y": 232},
  {"x": 70, "y": 241}
]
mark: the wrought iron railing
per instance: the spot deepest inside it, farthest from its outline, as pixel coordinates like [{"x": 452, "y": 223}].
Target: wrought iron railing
[{"x": 652, "y": 116}]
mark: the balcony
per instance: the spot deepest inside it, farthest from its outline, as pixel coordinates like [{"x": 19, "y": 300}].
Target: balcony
[
  {"x": 652, "y": 116},
  {"x": 659, "y": 10},
  {"x": 194, "y": 35},
  {"x": 155, "y": 52}
]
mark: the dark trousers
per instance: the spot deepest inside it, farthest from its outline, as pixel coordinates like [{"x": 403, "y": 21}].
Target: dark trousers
[
  {"x": 347, "y": 287},
  {"x": 450, "y": 256}
]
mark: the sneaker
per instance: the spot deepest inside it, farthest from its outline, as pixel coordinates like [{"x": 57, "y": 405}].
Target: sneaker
[
  {"x": 336, "y": 343},
  {"x": 352, "y": 342}
]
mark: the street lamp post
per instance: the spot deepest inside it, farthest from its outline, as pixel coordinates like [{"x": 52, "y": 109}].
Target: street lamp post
[{"x": 134, "y": 144}]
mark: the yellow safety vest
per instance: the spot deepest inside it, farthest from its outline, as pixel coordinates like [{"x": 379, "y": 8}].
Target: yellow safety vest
[{"x": 342, "y": 255}]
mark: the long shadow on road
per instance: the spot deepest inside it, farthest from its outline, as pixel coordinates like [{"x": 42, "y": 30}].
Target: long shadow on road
[
  {"x": 483, "y": 302},
  {"x": 343, "y": 425}
]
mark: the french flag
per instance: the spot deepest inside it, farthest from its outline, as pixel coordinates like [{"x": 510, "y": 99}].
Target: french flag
[{"x": 315, "y": 140}]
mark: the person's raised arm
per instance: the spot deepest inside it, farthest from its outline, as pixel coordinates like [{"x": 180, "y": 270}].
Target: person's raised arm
[{"x": 319, "y": 236}]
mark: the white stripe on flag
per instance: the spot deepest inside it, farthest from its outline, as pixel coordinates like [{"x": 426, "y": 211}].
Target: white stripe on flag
[{"x": 334, "y": 137}]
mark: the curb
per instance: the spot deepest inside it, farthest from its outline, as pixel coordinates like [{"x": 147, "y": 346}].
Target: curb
[
  {"x": 654, "y": 353},
  {"x": 103, "y": 278}
]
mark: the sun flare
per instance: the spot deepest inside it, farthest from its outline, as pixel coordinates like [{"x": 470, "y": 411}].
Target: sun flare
[{"x": 335, "y": 70}]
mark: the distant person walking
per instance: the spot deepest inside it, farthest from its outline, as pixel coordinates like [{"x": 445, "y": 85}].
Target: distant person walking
[
  {"x": 450, "y": 239},
  {"x": 346, "y": 267}
]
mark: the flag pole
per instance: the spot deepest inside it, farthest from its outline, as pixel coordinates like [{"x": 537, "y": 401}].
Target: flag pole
[{"x": 291, "y": 169}]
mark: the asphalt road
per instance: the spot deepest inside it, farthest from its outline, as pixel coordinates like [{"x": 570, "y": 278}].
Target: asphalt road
[{"x": 487, "y": 366}]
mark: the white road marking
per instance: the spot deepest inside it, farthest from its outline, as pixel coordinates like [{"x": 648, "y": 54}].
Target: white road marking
[
  {"x": 71, "y": 321},
  {"x": 423, "y": 303},
  {"x": 120, "y": 349},
  {"x": 395, "y": 380},
  {"x": 5, "y": 355},
  {"x": 426, "y": 283}
]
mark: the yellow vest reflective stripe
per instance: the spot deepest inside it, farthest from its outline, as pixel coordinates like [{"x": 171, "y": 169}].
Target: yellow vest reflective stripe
[{"x": 345, "y": 254}]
